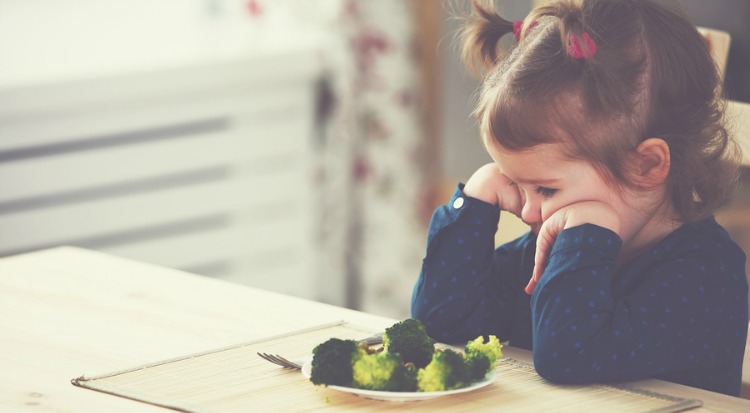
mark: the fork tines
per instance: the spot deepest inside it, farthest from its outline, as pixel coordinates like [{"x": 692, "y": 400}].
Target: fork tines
[{"x": 281, "y": 361}]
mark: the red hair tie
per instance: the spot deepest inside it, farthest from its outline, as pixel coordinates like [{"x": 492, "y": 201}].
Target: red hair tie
[
  {"x": 518, "y": 28},
  {"x": 576, "y": 51}
]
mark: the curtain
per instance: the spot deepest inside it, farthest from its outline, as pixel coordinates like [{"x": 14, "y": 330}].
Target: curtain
[
  {"x": 371, "y": 160},
  {"x": 371, "y": 181}
]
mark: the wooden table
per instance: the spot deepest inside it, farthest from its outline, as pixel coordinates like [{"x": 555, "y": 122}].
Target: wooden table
[{"x": 67, "y": 311}]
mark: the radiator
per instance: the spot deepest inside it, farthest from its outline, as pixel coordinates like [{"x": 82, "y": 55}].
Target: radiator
[{"x": 203, "y": 167}]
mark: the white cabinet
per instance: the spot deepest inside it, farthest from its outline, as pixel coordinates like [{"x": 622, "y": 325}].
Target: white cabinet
[{"x": 202, "y": 166}]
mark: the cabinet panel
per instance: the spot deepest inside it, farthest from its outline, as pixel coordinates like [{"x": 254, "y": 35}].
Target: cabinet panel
[{"x": 142, "y": 161}]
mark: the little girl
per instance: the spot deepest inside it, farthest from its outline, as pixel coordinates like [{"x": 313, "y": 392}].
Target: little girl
[{"x": 607, "y": 139}]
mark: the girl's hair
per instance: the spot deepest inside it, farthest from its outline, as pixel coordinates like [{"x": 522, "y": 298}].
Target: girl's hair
[{"x": 650, "y": 75}]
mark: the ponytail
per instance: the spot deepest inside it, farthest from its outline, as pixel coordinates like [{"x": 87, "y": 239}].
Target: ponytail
[
  {"x": 575, "y": 36},
  {"x": 480, "y": 38}
]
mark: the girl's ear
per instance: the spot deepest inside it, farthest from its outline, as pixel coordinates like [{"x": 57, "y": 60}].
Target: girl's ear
[{"x": 651, "y": 163}]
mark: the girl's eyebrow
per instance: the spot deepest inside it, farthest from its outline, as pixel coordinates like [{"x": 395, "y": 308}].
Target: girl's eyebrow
[{"x": 539, "y": 182}]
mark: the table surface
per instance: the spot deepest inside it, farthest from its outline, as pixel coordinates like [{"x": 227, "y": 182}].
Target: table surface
[{"x": 68, "y": 312}]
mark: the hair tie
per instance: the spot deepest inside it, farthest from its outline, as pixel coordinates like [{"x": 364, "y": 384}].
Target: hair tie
[
  {"x": 576, "y": 51},
  {"x": 518, "y": 28}
]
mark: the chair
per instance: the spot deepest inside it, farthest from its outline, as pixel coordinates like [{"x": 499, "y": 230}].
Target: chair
[{"x": 718, "y": 43}]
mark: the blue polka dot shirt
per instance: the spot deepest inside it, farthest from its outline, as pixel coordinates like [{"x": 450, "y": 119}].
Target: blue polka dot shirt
[{"x": 677, "y": 312}]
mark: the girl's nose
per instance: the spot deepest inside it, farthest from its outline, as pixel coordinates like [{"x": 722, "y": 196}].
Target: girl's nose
[{"x": 531, "y": 212}]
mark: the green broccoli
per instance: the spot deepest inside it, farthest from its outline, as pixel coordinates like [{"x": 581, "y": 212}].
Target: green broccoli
[
  {"x": 446, "y": 371},
  {"x": 333, "y": 360},
  {"x": 385, "y": 372},
  {"x": 481, "y": 357},
  {"x": 409, "y": 339}
]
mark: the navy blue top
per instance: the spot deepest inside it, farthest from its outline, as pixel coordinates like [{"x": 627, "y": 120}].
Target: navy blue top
[{"x": 678, "y": 312}]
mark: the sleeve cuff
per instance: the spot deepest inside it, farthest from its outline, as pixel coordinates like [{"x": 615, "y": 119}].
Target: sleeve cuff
[
  {"x": 466, "y": 212},
  {"x": 588, "y": 236},
  {"x": 461, "y": 204}
]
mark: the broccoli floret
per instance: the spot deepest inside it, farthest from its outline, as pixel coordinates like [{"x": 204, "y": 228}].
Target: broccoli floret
[
  {"x": 409, "y": 381},
  {"x": 481, "y": 357},
  {"x": 446, "y": 371},
  {"x": 409, "y": 339},
  {"x": 478, "y": 367},
  {"x": 385, "y": 372},
  {"x": 333, "y": 360}
]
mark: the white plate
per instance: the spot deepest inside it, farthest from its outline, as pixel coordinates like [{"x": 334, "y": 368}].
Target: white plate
[{"x": 395, "y": 396}]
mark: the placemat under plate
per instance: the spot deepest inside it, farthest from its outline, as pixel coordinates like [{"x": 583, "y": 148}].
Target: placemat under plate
[{"x": 235, "y": 379}]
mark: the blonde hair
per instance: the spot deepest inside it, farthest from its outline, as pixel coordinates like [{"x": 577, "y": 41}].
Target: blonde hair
[{"x": 651, "y": 76}]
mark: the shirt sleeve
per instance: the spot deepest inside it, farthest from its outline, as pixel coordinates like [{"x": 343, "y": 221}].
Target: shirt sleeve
[
  {"x": 681, "y": 313},
  {"x": 460, "y": 294}
]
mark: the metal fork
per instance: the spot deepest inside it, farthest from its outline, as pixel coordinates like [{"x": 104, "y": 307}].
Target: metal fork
[
  {"x": 288, "y": 364},
  {"x": 281, "y": 361}
]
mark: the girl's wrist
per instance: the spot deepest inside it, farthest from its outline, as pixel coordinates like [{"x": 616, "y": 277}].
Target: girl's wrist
[
  {"x": 594, "y": 213},
  {"x": 489, "y": 197}
]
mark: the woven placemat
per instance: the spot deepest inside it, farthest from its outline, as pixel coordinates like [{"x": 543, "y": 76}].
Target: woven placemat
[{"x": 235, "y": 379}]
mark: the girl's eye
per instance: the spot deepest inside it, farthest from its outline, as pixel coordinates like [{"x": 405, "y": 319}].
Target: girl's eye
[{"x": 545, "y": 192}]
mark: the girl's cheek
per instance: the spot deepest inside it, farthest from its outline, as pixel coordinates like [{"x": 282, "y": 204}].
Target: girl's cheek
[
  {"x": 548, "y": 209},
  {"x": 551, "y": 206}
]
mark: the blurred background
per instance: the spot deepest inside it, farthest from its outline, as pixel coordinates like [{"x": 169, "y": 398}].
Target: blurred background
[{"x": 298, "y": 146}]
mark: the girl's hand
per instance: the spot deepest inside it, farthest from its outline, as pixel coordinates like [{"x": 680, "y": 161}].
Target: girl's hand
[
  {"x": 488, "y": 184},
  {"x": 587, "y": 212}
]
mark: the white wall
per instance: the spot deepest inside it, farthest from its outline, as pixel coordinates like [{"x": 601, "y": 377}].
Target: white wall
[{"x": 462, "y": 151}]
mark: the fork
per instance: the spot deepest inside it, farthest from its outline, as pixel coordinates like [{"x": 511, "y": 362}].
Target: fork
[
  {"x": 288, "y": 364},
  {"x": 281, "y": 361}
]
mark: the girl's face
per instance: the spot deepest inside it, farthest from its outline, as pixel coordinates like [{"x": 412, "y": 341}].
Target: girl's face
[{"x": 548, "y": 180}]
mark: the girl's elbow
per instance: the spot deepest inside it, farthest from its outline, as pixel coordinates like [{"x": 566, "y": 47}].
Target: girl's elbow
[
  {"x": 552, "y": 375},
  {"x": 420, "y": 310},
  {"x": 553, "y": 368},
  {"x": 427, "y": 317},
  {"x": 433, "y": 325},
  {"x": 440, "y": 328},
  {"x": 547, "y": 370}
]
